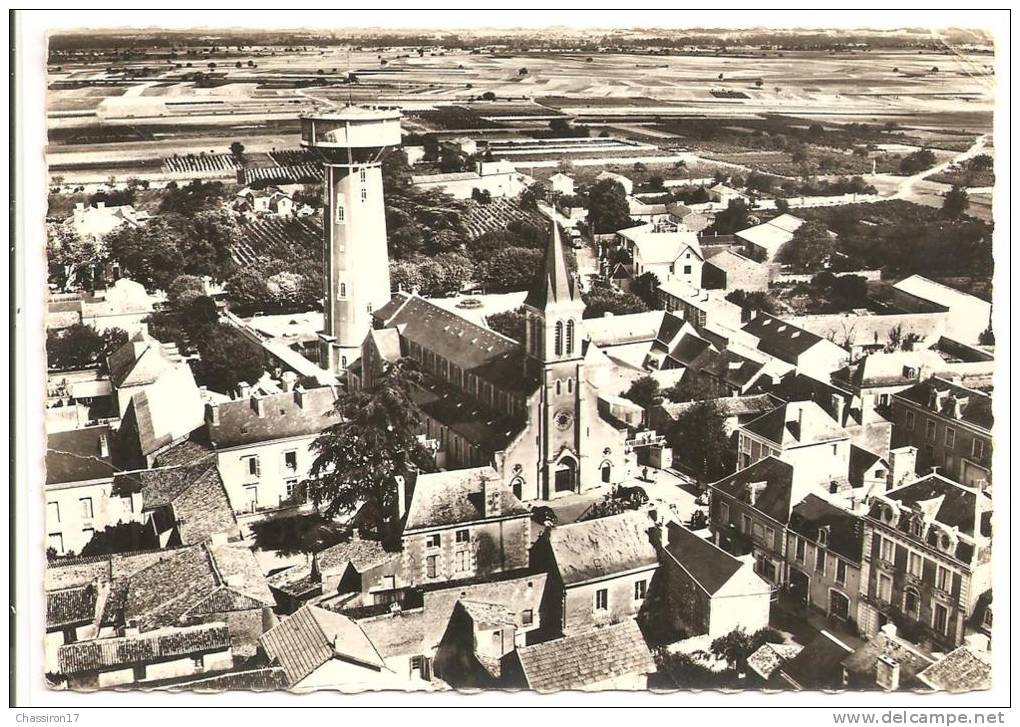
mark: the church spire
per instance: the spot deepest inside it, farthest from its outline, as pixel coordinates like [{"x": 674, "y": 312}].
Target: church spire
[{"x": 554, "y": 283}]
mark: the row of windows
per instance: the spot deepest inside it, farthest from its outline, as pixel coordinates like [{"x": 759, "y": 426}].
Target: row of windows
[
  {"x": 911, "y": 604},
  {"x": 821, "y": 560},
  {"x": 435, "y": 540},
  {"x": 252, "y": 464},
  {"x": 915, "y": 563},
  {"x": 601, "y": 599},
  {"x": 340, "y": 199},
  {"x": 53, "y": 510},
  {"x": 465, "y": 381},
  {"x": 977, "y": 445}
]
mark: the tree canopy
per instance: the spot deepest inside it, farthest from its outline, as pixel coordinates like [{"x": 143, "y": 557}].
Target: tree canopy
[
  {"x": 608, "y": 209},
  {"x": 80, "y": 346},
  {"x": 700, "y": 442},
  {"x": 810, "y": 249}
]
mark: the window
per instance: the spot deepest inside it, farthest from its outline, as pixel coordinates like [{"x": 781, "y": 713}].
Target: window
[
  {"x": 884, "y": 588},
  {"x": 911, "y": 603},
  {"x": 943, "y": 578},
  {"x": 915, "y": 563},
  {"x": 86, "y": 508},
  {"x": 800, "y": 549},
  {"x": 940, "y": 618},
  {"x": 343, "y": 291},
  {"x": 558, "y": 339},
  {"x": 430, "y": 565},
  {"x": 251, "y": 466},
  {"x": 86, "y": 534},
  {"x": 640, "y": 588},
  {"x": 570, "y": 337},
  {"x": 602, "y": 599},
  {"x": 198, "y": 663},
  {"x": 841, "y": 572},
  {"x": 977, "y": 447},
  {"x": 887, "y": 550},
  {"x": 724, "y": 512},
  {"x": 950, "y": 437},
  {"x": 364, "y": 176},
  {"x": 930, "y": 430},
  {"x": 56, "y": 542},
  {"x": 290, "y": 461},
  {"x": 291, "y": 486},
  {"x": 757, "y": 530},
  {"x": 364, "y": 195},
  {"x": 339, "y": 211},
  {"x": 527, "y": 617},
  {"x": 770, "y": 537},
  {"x": 53, "y": 512},
  {"x": 908, "y": 419},
  {"x": 421, "y": 667},
  {"x": 986, "y": 620},
  {"x": 139, "y": 672},
  {"x": 823, "y": 536},
  {"x": 433, "y": 541},
  {"x": 463, "y": 560},
  {"x": 820, "y": 561},
  {"x": 463, "y": 536},
  {"x": 389, "y": 582},
  {"x": 746, "y": 524},
  {"x": 687, "y": 269}
]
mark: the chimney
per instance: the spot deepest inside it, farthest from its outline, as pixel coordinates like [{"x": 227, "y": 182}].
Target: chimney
[
  {"x": 889, "y": 630},
  {"x": 887, "y": 673},
  {"x": 491, "y": 498},
  {"x": 212, "y": 413},
  {"x": 243, "y": 389},
  {"x": 956, "y": 406},
  {"x": 288, "y": 380},
  {"x": 104, "y": 446},
  {"x": 902, "y": 466},
  {"x": 258, "y": 405},
  {"x": 401, "y": 496},
  {"x": 753, "y": 490},
  {"x": 100, "y": 205},
  {"x": 299, "y": 395}
]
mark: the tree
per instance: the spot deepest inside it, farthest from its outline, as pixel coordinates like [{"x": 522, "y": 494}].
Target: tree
[
  {"x": 284, "y": 288},
  {"x": 184, "y": 290},
  {"x": 732, "y": 219},
  {"x": 123, "y": 537},
  {"x": 700, "y": 442},
  {"x": 192, "y": 197},
  {"x": 360, "y": 458},
  {"x": 80, "y": 346},
  {"x": 510, "y": 323},
  {"x": 956, "y": 201},
  {"x": 695, "y": 388},
  {"x": 917, "y": 161},
  {"x": 646, "y": 287},
  {"x": 510, "y": 269},
  {"x": 237, "y": 148},
  {"x": 522, "y": 72},
  {"x": 608, "y": 208},
  {"x": 782, "y": 206},
  {"x": 981, "y": 163},
  {"x": 643, "y": 391},
  {"x": 733, "y": 647},
  {"x": 246, "y": 287},
  {"x": 227, "y": 358},
  {"x": 73, "y": 261},
  {"x": 601, "y": 300},
  {"x": 810, "y": 248}
]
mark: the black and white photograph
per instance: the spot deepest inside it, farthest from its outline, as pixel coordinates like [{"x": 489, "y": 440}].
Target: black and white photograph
[{"x": 647, "y": 353}]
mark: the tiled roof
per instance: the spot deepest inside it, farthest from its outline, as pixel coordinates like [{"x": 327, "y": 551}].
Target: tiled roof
[
  {"x": 269, "y": 679},
  {"x": 961, "y": 670},
  {"x": 163, "y": 411},
  {"x": 283, "y": 417},
  {"x": 455, "y": 496},
  {"x": 189, "y": 451},
  {"x": 861, "y": 663},
  {"x": 861, "y": 460},
  {"x": 930, "y": 290},
  {"x": 141, "y": 361},
  {"x": 778, "y": 338},
  {"x": 728, "y": 406},
  {"x": 710, "y": 566},
  {"x": 602, "y": 547},
  {"x": 975, "y": 407},
  {"x": 845, "y": 531},
  {"x": 99, "y": 654},
  {"x": 819, "y": 665},
  {"x": 312, "y": 636},
  {"x": 477, "y": 423},
  {"x": 770, "y": 657},
  {"x": 797, "y": 424},
  {"x": 775, "y": 499},
  {"x": 731, "y": 261},
  {"x": 587, "y": 658},
  {"x": 362, "y": 554},
  {"x": 399, "y": 634},
  {"x": 71, "y": 606},
  {"x": 891, "y": 369},
  {"x": 75, "y": 456},
  {"x": 488, "y": 614}
]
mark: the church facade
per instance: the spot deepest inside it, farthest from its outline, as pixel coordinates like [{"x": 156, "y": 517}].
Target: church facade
[{"x": 532, "y": 411}]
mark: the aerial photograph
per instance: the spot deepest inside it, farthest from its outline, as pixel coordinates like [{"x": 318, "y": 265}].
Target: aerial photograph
[{"x": 523, "y": 359}]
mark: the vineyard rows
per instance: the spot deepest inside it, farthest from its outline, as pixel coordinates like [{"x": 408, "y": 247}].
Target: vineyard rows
[
  {"x": 201, "y": 163},
  {"x": 278, "y": 238},
  {"x": 496, "y": 215},
  {"x": 283, "y": 175}
]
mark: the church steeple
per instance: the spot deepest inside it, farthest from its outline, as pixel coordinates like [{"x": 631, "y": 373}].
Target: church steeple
[{"x": 554, "y": 309}]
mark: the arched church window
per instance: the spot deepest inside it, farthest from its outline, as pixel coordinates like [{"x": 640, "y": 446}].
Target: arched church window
[
  {"x": 558, "y": 342},
  {"x": 558, "y": 387},
  {"x": 570, "y": 337},
  {"x": 570, "y": 386}
]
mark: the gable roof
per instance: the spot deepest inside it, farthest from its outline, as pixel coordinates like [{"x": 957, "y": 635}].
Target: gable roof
[
  {"x": 890, "y": 368},
  {"x": 710, "y": 566},
  {"x": 453, "y": 497},
  {"x": 778, "y": 338},
  {"x": 123, "y": 651},
  {"x": 922, "y": 287},
  {"x": 658, "y": 247},
  {"x": 141, "y": 361},
  {"x": 957, "y": 505},
  {"x": 362, "y": 554},
  {"x": 819, "y": 665},
  {"x": 312, "y": 636},
  {"x": 861, "y": 663},
  {"x": 71, "y": 606},
  {"x": 845, "y": 531},
  {"x": 76, "y": 455},
  {"x": 943, "y": 397},
  {"x": 603, "y": 547},
  {"x": 586, "y": 659},
  {"x": 797, "y": 424},
  {"x": 730, "y": 261},
  {"x": 775, "y": 499},
  {"x": 287, "y": 414}
]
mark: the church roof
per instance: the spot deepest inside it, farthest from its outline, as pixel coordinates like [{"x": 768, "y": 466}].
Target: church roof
[{"x": 554, "y": 284}]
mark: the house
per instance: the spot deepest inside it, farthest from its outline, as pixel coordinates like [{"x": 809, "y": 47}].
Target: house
[
  {"x": 169, "y": 653},
  {"x": 272, "y": 201},
  {"x": 681, "y": 214},
  {"x": 951, "y": 427},
  {"x": 725, "y": 370},
  {"x": 649, "y": 212},
  {"x": 607, "y": 657},
  {"x": 320, "y": 649},
  {"x": 700, "y": 589},
  {"x": 966, "y": 668},
  {"x": 926, "y": 560},
  {"x": 763, "y": 242},
  {"x": 463, "y": 524},
  {"x": 809, "y": 353},
  {"x": 80, "y": 469},
  {"x": 140, "y": 362},
  {"x": 96, "y": 221},
  {"x": 698, "y": 305},
  {"x": 876, "y": 377},
  {"x": 736, "y": 410},
  {"x": 824, "y": 544},
  {"x": 414, "y": 154},
  {"x": 723, "y": 194},
  {"x": 767, "y": 659},
  {"x": 475, "y": 648},
  {"x": 498, "y": 178},
  {"x": 78, "y": 399},
  {"x": 668, "y": 254},
  {"x": 626, "y": 183},
  {"x": 968, "y": 316},
  {"x": 729, "y": 270},
  {"x": 819, "y": 665},
  {"x": 886, "y": 661},
  {"x": 561, "y": 184},
  {"x": 802, "y": 434},
  {"x": 599, "y": 570}
]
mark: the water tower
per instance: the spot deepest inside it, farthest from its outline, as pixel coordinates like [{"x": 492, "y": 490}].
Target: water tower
[{"x": 351, "y": 142}]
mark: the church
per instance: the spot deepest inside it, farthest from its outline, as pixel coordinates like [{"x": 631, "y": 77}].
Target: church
[{"x": 540, "y": 413}]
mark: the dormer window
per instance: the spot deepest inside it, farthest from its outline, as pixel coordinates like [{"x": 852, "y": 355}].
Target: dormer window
[{"x": 823, "y": 536}]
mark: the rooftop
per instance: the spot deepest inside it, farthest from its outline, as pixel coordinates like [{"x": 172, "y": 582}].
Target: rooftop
[
  {"x": 797, "y": 424},
  {"x": 772, "y": 235},
  {"x": 922, "y": 287},
  {"x": 963, "y": 669},
  {"x": 141, "y": 361},
  {"x": 709, "y": 566},
  {"x": 80, "y": 455},
  {"x": 287, "y": 414},
  {"x": 952, "y": 400},
  {"x": 819, "y": 665},
  {"x": 778, "y": 338},
  {"x": 772, "y": 481},
  {"x": 844, "y": 531},
  {"x": 603, "y": 547},
  {"x": 456, "y": 496},
  {"x": 100, "y": 654}
]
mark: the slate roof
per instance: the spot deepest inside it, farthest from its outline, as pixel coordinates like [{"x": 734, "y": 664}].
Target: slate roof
[
  {"x": 585, "y": 659},
  {"x": 477, "y": 423},
  {"x": 778, "y": 338},
  {"x": 845, "y": 530},
  {"x": 710, "y": 566},
  {"x": 399, "y": 634},
  {"x": 166, "y": 643},
  {"x": 890, "y": 369},
  {"x": 71, "y": 606},
  {"x": 602, "y": 547},
  {"x": 312, "y": 636},
  {"x": 488, "y": 614},
  {"x": 975, "y": 406},
  {"x": 554, "y": 283},
  {"x": 454, "y": 497},
  {"x": 954, "y": 504},
  {"x": 819, "y": 665},
  {"x": 239, "y": 423},
  {"x": 74, "y": 455},
  {"x": 797, "y": 424},
  {"x": 269, "y": 679},
  {"x": 628, "y": 328},
  {"x": 775, "y": 500},
  {"x": 729, "y": 406},
  {"x": 929, "y": 290},
  {"x": 961, "y": 670},
  {"x": 862, "y": 460},
  {"x": 193, "y": 450},
  {"x": 730, "y": 261}
]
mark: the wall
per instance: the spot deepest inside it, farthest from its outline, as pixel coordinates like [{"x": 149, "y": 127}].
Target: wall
[
  {"x": 579, "y": 612},
  {"x": 820, "y": 584},
  {"x": 272, "y": 478},
  {"x": 493, "y": 547},
  {"x": 748, "y": 612},
  {"x": 245, "y": 628},
  {"x": 71, "y": 525},
  {"x": 957, "y": 461}
]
